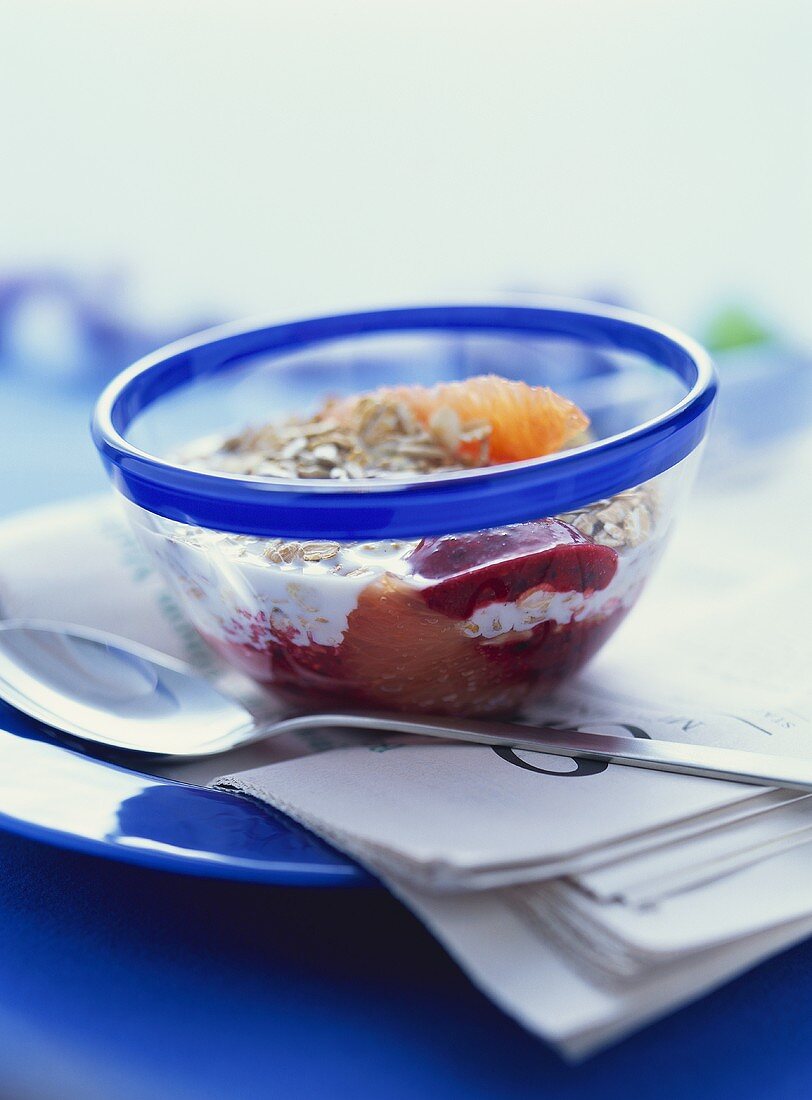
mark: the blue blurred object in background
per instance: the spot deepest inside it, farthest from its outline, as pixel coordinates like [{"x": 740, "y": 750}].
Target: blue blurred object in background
[
  {"x": 55, "y": 326},
  {"x": 61, "y": 339},
  {"x": 765, "y": 398},
  {"x": 764, "y": 402}
]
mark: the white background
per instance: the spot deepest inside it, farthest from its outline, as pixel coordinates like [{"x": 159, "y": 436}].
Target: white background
[{"x": 259, "y": 156}]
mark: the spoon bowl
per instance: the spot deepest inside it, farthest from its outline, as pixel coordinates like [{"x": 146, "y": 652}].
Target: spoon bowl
[{"x": 100, "y": 688}]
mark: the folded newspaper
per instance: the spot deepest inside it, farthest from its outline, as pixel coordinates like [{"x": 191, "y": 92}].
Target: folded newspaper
[{"x": 585, "y": 899}]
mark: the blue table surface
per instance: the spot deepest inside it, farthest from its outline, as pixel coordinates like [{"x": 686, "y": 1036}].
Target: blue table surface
[{"x": 120, "y": 981}]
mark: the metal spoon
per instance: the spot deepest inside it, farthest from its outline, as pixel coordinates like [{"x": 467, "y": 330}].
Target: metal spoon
[{"x": 105, "y": 689}]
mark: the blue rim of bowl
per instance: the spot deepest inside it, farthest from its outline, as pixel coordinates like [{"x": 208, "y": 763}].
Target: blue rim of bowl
[{"x": 411, "y": 508}]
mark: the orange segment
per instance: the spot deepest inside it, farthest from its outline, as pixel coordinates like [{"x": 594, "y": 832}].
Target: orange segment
[
  {"x": 526, "y": 421},
  {"x": 404, "y": 655}
]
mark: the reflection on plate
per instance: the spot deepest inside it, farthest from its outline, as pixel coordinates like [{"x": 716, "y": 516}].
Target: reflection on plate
[{"x": 60, "y": 795}]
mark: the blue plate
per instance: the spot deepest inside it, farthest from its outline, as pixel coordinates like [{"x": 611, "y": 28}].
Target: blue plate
[{"x": 67, "y": 797}]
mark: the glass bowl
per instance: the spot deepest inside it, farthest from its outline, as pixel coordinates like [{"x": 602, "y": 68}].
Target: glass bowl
[{"x": 463, "y": 593}]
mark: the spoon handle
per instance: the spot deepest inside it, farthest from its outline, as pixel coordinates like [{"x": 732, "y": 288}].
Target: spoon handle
[{"x": 707, "y": 761}]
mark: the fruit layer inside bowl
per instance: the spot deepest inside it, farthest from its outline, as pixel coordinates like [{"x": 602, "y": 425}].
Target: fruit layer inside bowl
[{"x": 467, "y": 623}]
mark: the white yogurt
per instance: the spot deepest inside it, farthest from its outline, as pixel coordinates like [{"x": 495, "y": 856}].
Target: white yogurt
[
  {"x": 226, "y": 582},
  {"x": 538, "y": 606}
]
